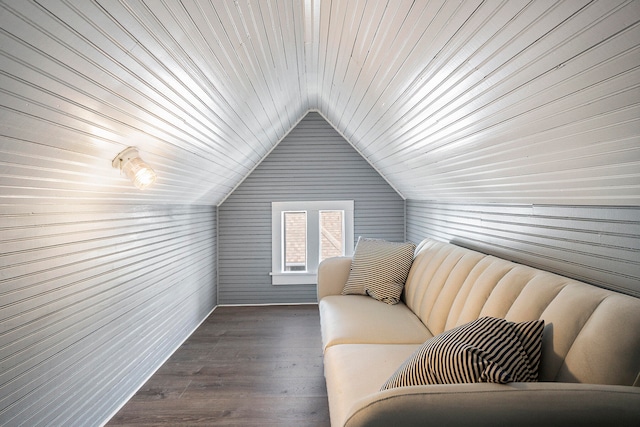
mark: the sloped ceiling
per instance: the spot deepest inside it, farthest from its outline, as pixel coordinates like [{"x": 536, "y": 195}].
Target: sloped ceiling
[{"x": 489, "y": 101}]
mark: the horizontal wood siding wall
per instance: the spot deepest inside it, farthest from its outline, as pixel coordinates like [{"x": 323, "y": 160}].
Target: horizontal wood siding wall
[
  {"x": 595, "y": 244},
  {"x": 93, "y": 299},
  {"x": 312, "y": 163}
]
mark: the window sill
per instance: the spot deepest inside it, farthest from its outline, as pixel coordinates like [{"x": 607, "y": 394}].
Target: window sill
[{"x": 294, "y": 278}]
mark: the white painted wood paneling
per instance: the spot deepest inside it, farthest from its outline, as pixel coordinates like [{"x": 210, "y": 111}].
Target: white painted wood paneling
[
  {"x": 204, "y": 89},
  {"x": 595, "y": 244},
  {"x": 519, "y": 118},
  {"x": 492, "y": 101},
  {"x": 313, "y": 162},
  {"x": 93, "y": 299}
]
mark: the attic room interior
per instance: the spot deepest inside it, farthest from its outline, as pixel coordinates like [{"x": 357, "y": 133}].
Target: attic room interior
[{"x": 504, "y": 133}]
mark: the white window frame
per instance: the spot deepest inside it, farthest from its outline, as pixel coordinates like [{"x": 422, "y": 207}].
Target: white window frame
[{"x": 312, "y": 208}]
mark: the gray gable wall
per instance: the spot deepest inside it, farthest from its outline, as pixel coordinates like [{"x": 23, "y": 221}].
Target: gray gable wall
[{"x": 313, "y": 162}]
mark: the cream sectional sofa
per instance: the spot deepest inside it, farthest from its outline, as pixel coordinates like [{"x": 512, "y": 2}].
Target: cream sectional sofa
[{"x": 589, "y": 372}]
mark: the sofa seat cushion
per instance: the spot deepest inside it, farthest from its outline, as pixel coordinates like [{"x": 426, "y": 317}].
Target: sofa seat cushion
[
  {"x": 358, "y": 319},
  {"x": 354, "y": 374},
  {"x": 355, "y": 371}
]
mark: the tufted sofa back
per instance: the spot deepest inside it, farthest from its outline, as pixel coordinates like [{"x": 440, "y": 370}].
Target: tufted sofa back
[{"x": 592, "y": 335}]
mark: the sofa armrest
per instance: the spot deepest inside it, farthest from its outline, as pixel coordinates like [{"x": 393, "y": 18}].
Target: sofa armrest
[
  {"x": 521, "y": 404},
  {"x": 333, "y": 273}
]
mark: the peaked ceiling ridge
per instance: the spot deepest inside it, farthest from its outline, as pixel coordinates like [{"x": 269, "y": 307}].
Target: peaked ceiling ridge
[{"x": 286, "y": 134}]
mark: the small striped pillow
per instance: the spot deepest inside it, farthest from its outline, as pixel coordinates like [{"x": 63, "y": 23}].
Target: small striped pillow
[
  {"x": 485, "y": 350},
  {"x": 379, "y": 269}
]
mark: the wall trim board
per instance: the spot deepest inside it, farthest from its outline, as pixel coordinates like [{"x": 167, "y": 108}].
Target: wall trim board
[{"x": 275, "y": 304}]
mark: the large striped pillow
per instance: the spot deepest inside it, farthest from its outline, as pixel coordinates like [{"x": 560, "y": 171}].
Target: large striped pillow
[
  {"x": 485, "y": 350},
  {"x": 379, "y": 269}
]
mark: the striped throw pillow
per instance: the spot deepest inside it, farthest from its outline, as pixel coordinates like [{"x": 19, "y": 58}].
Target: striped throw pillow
[
  {"x": 379, "y": 269},
  {"x": 485, "y": 350}
]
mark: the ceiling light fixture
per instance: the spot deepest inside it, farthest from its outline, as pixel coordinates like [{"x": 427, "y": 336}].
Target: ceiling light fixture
[{"x": 129, "y": 162}]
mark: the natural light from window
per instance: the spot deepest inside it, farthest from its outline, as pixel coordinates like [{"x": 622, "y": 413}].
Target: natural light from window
[
  {"x": 331, "y": 234},
  {"x": 295, "y": 241},
  {"x": 306, "y": 233}
]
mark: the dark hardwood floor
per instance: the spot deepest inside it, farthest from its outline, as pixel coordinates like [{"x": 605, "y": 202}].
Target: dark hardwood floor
[{"x": 244, "y": 366}]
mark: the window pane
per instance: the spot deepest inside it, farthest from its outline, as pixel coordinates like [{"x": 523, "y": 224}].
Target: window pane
[
  {"x": 331, "y": 234},
  {"x": 295, "y": 241}
]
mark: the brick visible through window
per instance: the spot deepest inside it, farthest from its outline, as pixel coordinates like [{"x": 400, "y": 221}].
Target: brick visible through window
[
  {"x": 331, "y": 229},
  {"x": 295, "y": 241},
  {"x": 304, "y": 233}
]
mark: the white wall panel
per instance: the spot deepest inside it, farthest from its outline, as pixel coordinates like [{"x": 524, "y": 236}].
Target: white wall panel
[
  {"x": 204, "y": 89},
  {"x": 495, "y": 102},
  {"x": 446, "y": 99},
  {"x": 92, "y": 300},
  {"x": 596, "y": 244}
]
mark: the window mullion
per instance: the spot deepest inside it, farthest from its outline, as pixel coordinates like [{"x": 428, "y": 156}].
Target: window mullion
[{"x": 313, "y": 240}]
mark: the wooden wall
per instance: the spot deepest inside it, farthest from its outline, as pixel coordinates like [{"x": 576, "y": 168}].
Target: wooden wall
[
  {"x": 528, "y": 102},
  {"x": 93, "y": 299},
  {"x": 313, "y": 162},
  {"x": 532, "y": 102},
  {"x": 515, "y": 116},
  {"x": 595, "y": 244}
]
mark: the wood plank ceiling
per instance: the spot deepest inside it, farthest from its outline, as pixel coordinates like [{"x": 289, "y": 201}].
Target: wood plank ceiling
[{"x": 488, "y": 101}]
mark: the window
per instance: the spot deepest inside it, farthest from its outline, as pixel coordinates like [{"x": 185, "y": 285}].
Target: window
[
  {"x": 294, "y": 237},
  {"x": 304, "y": 234}
]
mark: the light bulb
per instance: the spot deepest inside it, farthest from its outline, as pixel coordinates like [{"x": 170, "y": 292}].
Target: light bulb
[{"x": 140, "y": 173}]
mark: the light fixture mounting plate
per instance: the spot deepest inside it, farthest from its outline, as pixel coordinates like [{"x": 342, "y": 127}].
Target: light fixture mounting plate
[{"x": 123, "y": 156}]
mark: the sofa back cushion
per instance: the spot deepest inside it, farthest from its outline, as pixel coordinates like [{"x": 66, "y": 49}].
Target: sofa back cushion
[{"x": 592, "y": 335}]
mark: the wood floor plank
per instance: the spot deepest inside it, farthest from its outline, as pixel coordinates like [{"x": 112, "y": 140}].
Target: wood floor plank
[{"x": 244, "y": 366}]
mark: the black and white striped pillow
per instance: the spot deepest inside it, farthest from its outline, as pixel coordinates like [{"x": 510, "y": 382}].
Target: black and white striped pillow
[
  {"x": 485, "y": 350},
  {"x": 379, "y": 269}
]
